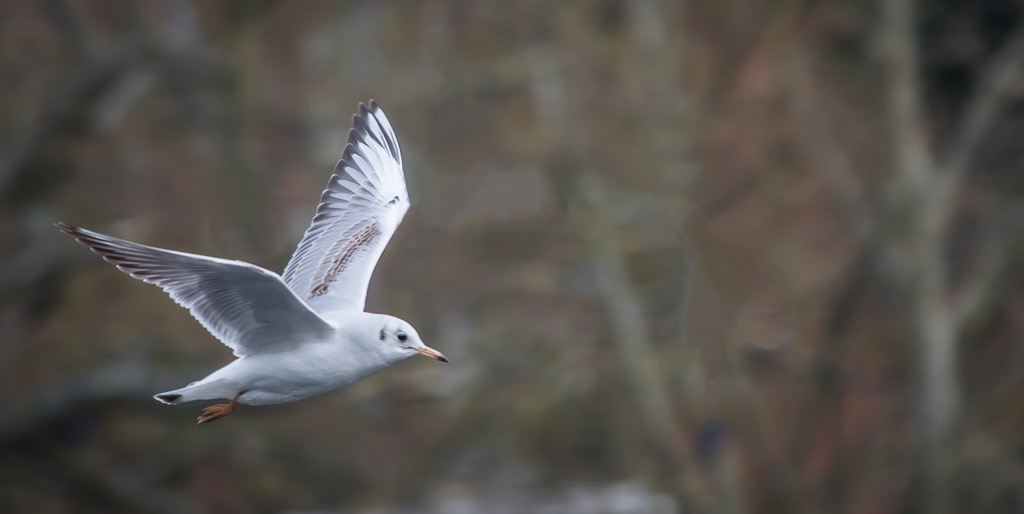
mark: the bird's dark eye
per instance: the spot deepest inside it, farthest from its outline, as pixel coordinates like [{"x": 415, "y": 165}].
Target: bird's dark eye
[{"x": 402, "y": 337}]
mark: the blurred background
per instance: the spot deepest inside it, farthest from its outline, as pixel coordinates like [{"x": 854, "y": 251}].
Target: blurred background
[{"x": 695, "y": 256}]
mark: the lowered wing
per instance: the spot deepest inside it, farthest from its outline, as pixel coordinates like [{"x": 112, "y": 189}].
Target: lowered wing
[{"x": 246, "y": 307}]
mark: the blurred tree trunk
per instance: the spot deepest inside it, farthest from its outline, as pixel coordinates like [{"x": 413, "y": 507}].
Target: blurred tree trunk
[
  {"x": 919, "y": 259},
  {"x": 925, "y": 199}
]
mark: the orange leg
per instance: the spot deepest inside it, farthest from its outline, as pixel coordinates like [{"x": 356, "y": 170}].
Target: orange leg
[{"x": 215, "y": 412}]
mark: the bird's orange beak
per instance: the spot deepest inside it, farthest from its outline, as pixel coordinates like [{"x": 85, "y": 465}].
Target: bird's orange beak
[{"x": 427, "y": 351}]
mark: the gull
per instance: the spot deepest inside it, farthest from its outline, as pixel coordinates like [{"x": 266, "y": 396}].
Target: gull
[{"x": 304, "y": 332}]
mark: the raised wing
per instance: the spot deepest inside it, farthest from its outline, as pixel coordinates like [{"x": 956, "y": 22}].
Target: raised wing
[
  {"x": 246, "y": 307},
  {"x": 359, "y": 211}
]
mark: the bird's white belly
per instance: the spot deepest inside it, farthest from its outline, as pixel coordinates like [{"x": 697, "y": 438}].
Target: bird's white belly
[{"x": 291, "y": 376}]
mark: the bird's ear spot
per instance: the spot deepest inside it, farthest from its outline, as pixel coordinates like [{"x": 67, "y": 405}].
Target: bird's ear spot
[{"x": 382, "y": 334}]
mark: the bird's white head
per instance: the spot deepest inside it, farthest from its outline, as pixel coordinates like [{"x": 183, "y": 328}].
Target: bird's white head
[{"x": 398, "y": 336}]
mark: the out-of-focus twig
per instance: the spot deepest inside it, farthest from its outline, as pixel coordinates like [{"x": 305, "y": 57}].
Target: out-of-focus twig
[
  {"x": 980, "y": 282},
  {"x": 627, "y": 322},
  {"x": 998, "y": 80},
  {"x": 837, "y": 169},
  {"x": 630, "y": 331}
]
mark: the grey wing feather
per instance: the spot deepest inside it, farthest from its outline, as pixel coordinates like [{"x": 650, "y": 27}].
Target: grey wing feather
[
  {"x": 246, "y": 307},
  {"x": 362, "y": 206}
]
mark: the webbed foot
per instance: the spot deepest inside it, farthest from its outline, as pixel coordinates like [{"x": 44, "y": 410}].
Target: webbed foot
[{"x": 215, "y": 412}]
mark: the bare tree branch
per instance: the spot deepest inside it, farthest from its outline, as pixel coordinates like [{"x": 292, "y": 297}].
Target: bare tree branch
[
  {"x": 980, "y": 282},
  {"x": 837, "y": 170},
  {"x": 627, "y": 321},
  {"x": 904, "y": 94},
  {"x": 997, "y": 81}
]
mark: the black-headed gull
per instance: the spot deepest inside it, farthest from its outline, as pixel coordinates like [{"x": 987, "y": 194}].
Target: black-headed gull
[{"x": 303, "y": 333}]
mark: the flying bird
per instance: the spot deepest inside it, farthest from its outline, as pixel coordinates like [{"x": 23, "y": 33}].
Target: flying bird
[{"x": 304, "y": 332}]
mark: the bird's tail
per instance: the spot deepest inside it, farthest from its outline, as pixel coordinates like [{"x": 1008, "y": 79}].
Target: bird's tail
[
  {"x": 170, "y": 397},
  {"x": 205, "y": 389}
]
